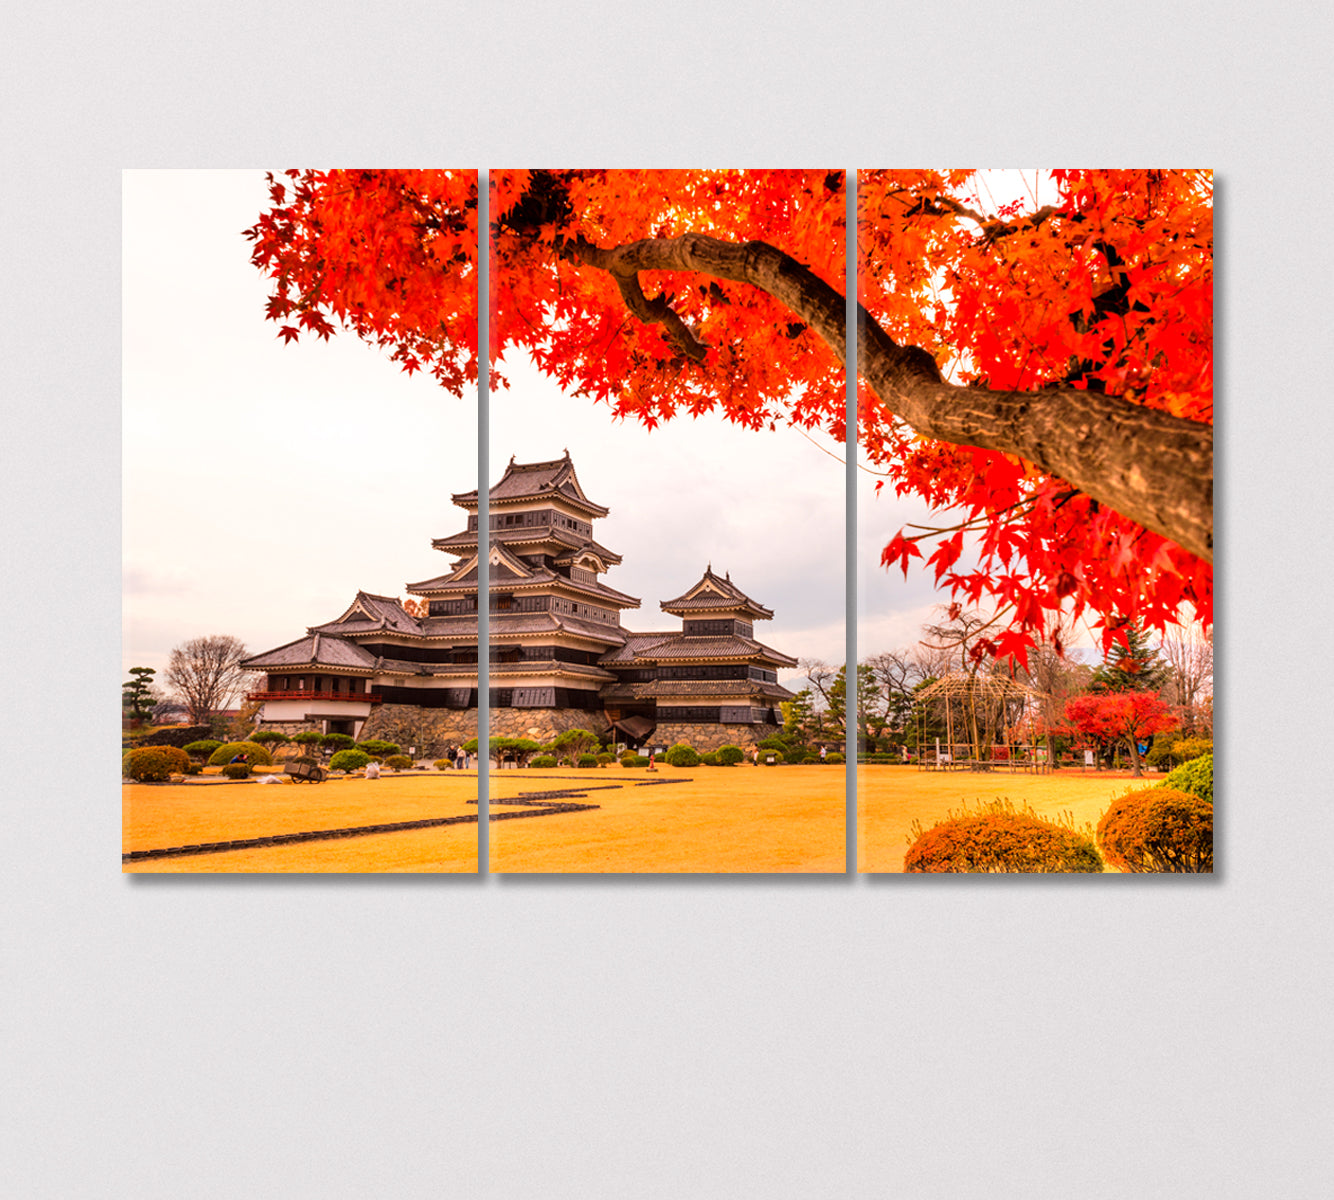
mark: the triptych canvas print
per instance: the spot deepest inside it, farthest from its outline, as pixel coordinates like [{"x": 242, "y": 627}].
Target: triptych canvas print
[{"x": 620, "y": 643}]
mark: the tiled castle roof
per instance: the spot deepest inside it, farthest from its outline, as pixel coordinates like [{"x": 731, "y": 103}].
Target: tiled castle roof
[
  {"x": 369, "y": 613},
  {"x": 714, "y": 593},
  {"x": 535, "y": 481}
]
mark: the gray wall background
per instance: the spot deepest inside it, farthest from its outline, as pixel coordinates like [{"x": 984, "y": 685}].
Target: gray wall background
[{"x": 662, "y": 1037}]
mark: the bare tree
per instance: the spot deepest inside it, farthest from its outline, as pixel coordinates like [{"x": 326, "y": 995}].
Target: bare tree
[
  {"x": 1056, "y": 679},
  {"x": 897, "y": 674},
  {"x": 1189, "y": 653},
  {"x": 205, "y": 673}
]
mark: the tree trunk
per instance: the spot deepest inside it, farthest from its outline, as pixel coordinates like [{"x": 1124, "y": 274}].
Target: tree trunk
[{"x": 1152, "y": 467}]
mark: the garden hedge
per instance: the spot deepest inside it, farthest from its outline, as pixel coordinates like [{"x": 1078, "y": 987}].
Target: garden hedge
[
  {"x": 1195, "y": 777},
  {"x": 1000, "y": 839},
  {"x": 1159, "y": 830},
  {"x": 349, "y": 760},
  {"x": 254, "y": 752},
  {"x": 154, "y": 764}
]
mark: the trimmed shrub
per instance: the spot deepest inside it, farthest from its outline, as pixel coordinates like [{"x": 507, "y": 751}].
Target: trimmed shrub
[
  {"x": 574, "y": 742},
  {"x": 379, "y": 748},
  {"x": 633, "y": 760},
  {"x": 542, "y": 760},
  {"x": 1195, "y": 777},
  {"x": 194, "y": 768},
  {"x": 154, "y": 764},
  {"x": 710, "y": 759},
  {"x": 729, "y": 756},
  {"x": 179, "y": 736},
  {"x": 604, "y": 758},
  {"x": 681, "y": 755},
  {"x": 398, "y": 762},
  {"x": 269, "y": 737},
  {"x": 254, "y": 752},
  {"x": 333, "y": 742},
  {"x": 997, "y": 838},
  {"x": 834, "y": 757},
  {"x": 202, "y": 749},
  {"x": 1157, "y": 830},
  {"x": 236, "y": 770},
  {"x": 444, "y": 764},
  {"x": 1171, "y": 750},
  {"x": 588, "y": 760},
  {"x": 349, "y": 760}
]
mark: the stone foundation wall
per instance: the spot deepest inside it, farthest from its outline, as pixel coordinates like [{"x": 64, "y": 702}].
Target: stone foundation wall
[
  {"x": 543, "y": 724},
  {"x": 431, "y": 730},
  {"x": 710, "y": 736},
  {"x": 291, "y": 727}
]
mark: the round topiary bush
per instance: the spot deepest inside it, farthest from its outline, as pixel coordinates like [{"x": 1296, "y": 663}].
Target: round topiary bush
[
  {"x": 588, "y": 760},
  {"x": 681, "y": 755},
  {"x": 202, "y": 749},
  {"x": 604, "y": 758},
  {"x": 349, "y": 760},
  {"x": 444, "y": 764},
  {"x": 729, "y": 756},
  {"x": 236, "y": 770},
  {"x": 633, "y": 760},
  {"x": 710, "y": 759},
  {"x": 835, "y": 757},
  {"x": 1000, "y": 839},
  {"x": 1195, "y": 777},
  {"x": 1156, "y": 830},
  {"x": 254, "y": 752},
  {"x": 154, "y": 764},
  {"x": 543, "y": 760},
  {"x": 333, "y": 742},
  {"x": 399, "y": 762}
]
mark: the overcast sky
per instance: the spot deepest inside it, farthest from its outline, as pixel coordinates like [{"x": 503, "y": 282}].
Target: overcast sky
[{"x": 263, "y": 484}]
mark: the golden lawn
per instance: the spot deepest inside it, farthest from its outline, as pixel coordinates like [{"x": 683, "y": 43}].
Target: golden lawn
[
  {"x": 890, "y": 798},
  {"x": 698, "y": 819},
  {"x": 711, "y": 819},
  {"x": 158, "y": 816}
]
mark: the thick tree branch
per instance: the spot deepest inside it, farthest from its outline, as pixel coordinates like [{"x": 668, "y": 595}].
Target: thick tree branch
[{"x": 1152, "y": 467}]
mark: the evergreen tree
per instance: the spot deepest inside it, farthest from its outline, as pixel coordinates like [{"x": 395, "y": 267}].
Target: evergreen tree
[
  {"x": 1132, "y": 666},
  {"x": 138, "y": 694}
]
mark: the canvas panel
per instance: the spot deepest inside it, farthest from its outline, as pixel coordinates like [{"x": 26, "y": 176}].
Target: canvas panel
[
  {"x": 666, "y": 458},
  {"x": 278, "y": 492}
]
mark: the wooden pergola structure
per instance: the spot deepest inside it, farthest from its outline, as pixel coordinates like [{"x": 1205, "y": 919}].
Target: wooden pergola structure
[{"x": 983, "y": 716}]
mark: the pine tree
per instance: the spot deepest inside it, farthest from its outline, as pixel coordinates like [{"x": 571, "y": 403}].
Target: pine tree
[{"x": 1132, "y": 666}]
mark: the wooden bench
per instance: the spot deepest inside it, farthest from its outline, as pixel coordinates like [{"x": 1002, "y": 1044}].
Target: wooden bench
[{"x": 305, "y": 772}]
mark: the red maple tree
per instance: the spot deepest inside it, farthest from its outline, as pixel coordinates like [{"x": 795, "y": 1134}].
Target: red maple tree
[
  {"x": 1046, "y": 372},
  {"x": 1120, "y": 717}
]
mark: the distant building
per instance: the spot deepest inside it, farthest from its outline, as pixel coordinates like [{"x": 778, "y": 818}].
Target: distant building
[{"x": 559, "y": 656}]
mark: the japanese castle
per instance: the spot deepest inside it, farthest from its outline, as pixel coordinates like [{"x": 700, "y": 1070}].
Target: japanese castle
[{"x": 559, "y": 655}]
